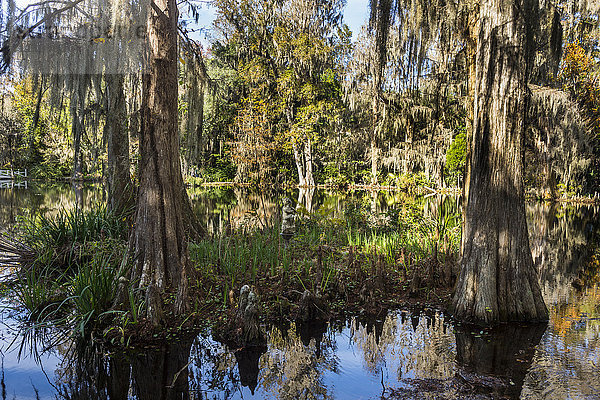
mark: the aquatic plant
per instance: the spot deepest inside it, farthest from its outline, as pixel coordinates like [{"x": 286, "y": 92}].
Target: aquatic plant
[{"x": 67, "y": 270}]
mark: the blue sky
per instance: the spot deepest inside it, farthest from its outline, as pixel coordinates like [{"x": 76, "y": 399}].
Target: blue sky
[{"x": 356, "y": 14}]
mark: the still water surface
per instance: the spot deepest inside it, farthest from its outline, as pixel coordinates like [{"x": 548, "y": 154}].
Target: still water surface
[{"x": 409, "y": 354}]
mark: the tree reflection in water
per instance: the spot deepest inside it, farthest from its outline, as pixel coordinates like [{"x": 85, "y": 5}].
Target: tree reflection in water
[
  {"x": 297, "y": 361},
  {"x": 156, "y": 374},
  {"x": 497, "y": 362},
  {"x": 247, "y": 361},
  {"x": 162, "y": 374},
  {"x": 91, "y": 376}
]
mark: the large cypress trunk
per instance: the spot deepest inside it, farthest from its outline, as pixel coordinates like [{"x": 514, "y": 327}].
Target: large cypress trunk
[
  {"x": 159, "y": 238},
  {"x": 118, "y": 179},
  {"x": 498, "y": 281}
]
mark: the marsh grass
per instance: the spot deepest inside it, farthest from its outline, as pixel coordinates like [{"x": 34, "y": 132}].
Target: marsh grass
[
  {"x": 359, "y": 256},
  {"x": 61, "y": 241},
  {"x": 72, "y": 279},
  {"x": 241, "y": 254},
  {"x": 77, "y": 259}
]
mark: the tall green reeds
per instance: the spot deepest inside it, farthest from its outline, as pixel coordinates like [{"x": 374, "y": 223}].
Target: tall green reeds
[{"x": 242, "y": 255}]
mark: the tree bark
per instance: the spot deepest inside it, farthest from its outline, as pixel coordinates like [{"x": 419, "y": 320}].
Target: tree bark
[
  {"x": 304, "y": 164},
  {"x": 299, "y": 165},
  {"x": 308, "y": 164},
  {"x": 471, "y": 61},
  {"x": 498, "y": 281},
  {"x": 197, "y": 146},
  {"x": 77, "y": 132},
  {"x": 118, "y": 179},
  {"x": 159, "y": 238},
  {"x": 375, "y": 109},
  {"x": 77, "y": 128}
]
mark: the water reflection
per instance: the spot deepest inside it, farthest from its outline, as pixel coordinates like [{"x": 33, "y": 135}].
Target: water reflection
[
  {"x": 223, "y": 209},
  {"x": 306, "y": 199},
  {"x": 411, "y": 354},
  {"x": 352, "y": 360},
  {"x": 93, "y": 376},
  {"x": 496, "y": 362},
  {"x": 565, "y": 249},
  {"x": 162, "y": 374},
  {"x": 44, "y": 198},
  {"x": 156, "y": 374}
]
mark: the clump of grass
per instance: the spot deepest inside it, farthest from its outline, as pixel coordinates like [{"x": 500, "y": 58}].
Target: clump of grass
[
  {"x": 60, "y": 241},
  {"x": 36, "y": 294},
  {"x": 81, "y": 300},
  {"x": 72, "y": 281},
  {"x": 241, "y": 255},
  {"x": 92, "y": 292}
]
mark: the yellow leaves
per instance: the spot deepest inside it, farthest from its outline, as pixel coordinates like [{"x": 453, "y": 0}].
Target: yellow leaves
[
  {"x": 577, "y": 73},
  {"x": 576, "y": 63}
]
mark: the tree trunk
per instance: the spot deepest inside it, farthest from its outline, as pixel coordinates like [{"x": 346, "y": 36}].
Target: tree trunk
[
  {"x": 308, "y": 164},
  {"x": 471, "y": 44},
  {"x": 118, "y": 180},
  {"x": 77, "y": 132},
  {"x": 304, "y": 164},
  {"x": 373, "y": 160},
  {"x": 38, "y": 107},
  {"x": 197, "y": 148},
  {"x": 77, "y": 115},
  {"x": 299, "y": 165},
  {"x": 159, "y": 239},
  {"x": 498, "y": 281}
]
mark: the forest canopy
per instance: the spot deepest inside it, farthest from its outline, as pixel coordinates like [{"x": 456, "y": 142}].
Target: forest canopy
[{"x": 282, "y": 94}]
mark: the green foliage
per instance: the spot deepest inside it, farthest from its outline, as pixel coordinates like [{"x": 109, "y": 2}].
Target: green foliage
[
  {"x": 64, "y": 240},
  {"x": 332, "y": 175},
  {"x": 290, "y": 92},
  {"x": 36, "y": 295},
  {"x": 241, "y": 255},
  {"x": 223, "y": 171},
  {"x": 409, "y": 182},
  {"x": 77, "y": 304},
  {"x": 92, "y": 291},
  {"x": 316, "y": 256},
  {"x": 456, "y": 157},
  {"x": 40, "y": 144},
  {"x": 73, "y": 282},
  {"x": 72, "y": 226}
]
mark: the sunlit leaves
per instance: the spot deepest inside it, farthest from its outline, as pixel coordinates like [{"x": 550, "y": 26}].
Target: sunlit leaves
[{"x": 579, "y": 74}]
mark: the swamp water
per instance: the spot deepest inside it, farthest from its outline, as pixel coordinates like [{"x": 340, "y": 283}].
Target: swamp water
[{"x": 409, "y": 354}]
